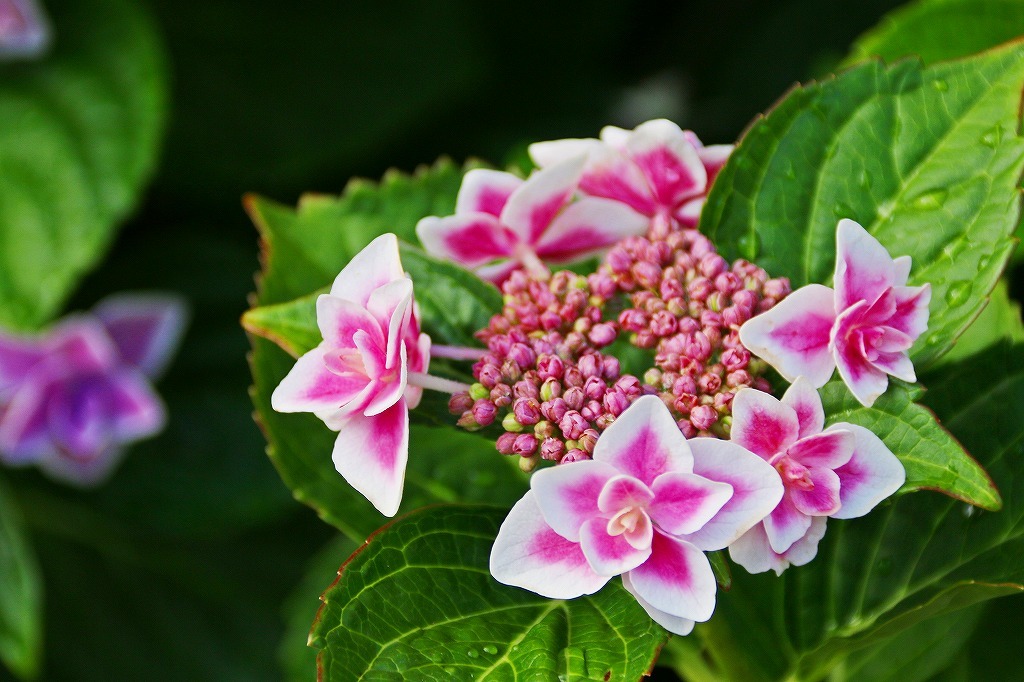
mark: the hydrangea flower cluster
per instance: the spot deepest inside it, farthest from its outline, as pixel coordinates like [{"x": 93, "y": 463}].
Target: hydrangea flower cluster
[
  {"x": 648, "y": 471},
  {"x": 71, "y": 399}
]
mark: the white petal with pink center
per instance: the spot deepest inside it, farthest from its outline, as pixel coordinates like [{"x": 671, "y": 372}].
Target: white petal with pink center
[
  {"x": 820, "y": 471},
  {"x": 657, "y": 169},
  {"x": 358, "y": 379},
  {"x": 865, "y": 327},
  {"x": 503, "y": 222},
  {"x": 639, "y": 510}
]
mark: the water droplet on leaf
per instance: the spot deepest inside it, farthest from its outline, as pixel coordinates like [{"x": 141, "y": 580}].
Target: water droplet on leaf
[
  {"x": 490, "y": 649},
  {"x": 993, "y": 137},
  {"x": 931, "y": 200},
  {"x": 958, "y": 293},
  {"x": 750, "y": 245},
  {"x": 940, "y": 85},
  {"x": 473, "y": 653}
]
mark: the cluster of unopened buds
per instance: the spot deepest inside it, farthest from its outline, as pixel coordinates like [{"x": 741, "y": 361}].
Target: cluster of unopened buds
[{"x": 691, "y": 453}]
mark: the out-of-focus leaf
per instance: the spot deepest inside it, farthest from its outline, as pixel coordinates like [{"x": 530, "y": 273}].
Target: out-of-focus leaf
[
  {"x": 79, "y": 134},
  {"x": 418, "y": 601},
  {"x": 21, "y": 594},
  {"x": 999, "y": 321},
  {"x": 927, "y": 159},
  {"x": 297, "y": 657}
]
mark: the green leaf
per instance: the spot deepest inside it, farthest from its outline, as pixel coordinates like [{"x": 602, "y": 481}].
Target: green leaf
[
  {"x": 21, "y": 594},
  {"x": 917, "y": 653},
  {"x": 937, "y": 30},
  {"x": 927, "y": 159},
  {"x": 454, "y": 303},
  {"x": 1000, "y": 320},
  {"x": 933, "y": 459},
  {"x": 291, "y": 325},
  {"x": 418, "y": 600},
  {"x": 304, "y": 249},
  {"x": 79, "y": 134},
  {"x": 913, "y": 558}
]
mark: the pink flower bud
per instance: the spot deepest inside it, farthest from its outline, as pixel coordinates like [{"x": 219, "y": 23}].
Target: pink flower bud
[
  {"x": 703, "y": 416},
  {"x": 709, "y": 382},
  {"x": 619, "y": 260},
  {"x": 615, "y": 402},
  {"x": 524, "y": 445},
  {"x": 699, "y": 347},
  {"x": 525, "y": 389},
  {"x": 601, "y": 285},
  {"x": 646, "y": 274},
  {"x": 501, "y": 395},
  {"x": 592, "y": 410},
  {"x": 589, "y": 365},
  {"x": 572, "y": 425},
  {"x": 700, "y": 288},
  {"x": 686, "y": 428},
  {"x": 552, "y": 449},
  {"x": 610, "y": 367},
  {"x": 645, "y": 339},
  {"x": 728, "y": 282},
  {"x": 505, "y": 443},
  {"x": 459, "y": 403},
  {"x": 554, "y": 410},
  {"x": 735, "y": 358},
  {"x": 632, "y": 320},
  {"x": 711, "y": 265},
  {"x": 550, "y": 367},
  {"x": 723, "y": 401},
  {"x": 594, "y": 388},
  {"x": 602, "y": 334},
  {"x": 489, "y": 375},
  {"x": 522, "y": 354},
  {"x": 549, "y": 320},
  {"x": 688, "y": 325},
  {"x": 735, "y": 316},
  {"x": 663, "y": 323},
  {"x": 573, "y": 377},
  {"x": 740, "y": 377},
  {"x": 574, "y": 397},
  {"x": 484, "y": 412},
  {"x": 574, "y": 455},
  {"x": 527, "y": 411},
  {"x": 777, "y": 288},
  {"x": 550, "y": 389},
  {"x": 745, "y": 299},
  {"x": 588, "y": 439},
  {"x": 671, "y": 288},
  {"x": 629, "y": 385},
  {"x": 684, "y": 385}
]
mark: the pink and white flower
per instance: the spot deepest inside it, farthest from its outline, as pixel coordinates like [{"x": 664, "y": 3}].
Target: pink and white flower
[
  {"x": 358, "y": 379},
  {"x": 842, "y": 472},
  {"x": 71, "y": 399},
  {"x": 865, "y": 326},
  {"x": 503, "y": 222},
  {"x": 646, "y": 507},
  {"x": 657, "y": 169}
]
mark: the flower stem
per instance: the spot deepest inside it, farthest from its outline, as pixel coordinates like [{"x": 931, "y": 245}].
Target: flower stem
[
  {"x": 436, "y": 383},
  {"x": 532, "y": 264},
  {"x": 457, "y": 352}
]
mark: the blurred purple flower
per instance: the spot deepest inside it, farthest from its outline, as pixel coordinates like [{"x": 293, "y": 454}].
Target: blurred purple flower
[
  {"x": 72, "y": 398},
  {"x": 24, "y": 31}
]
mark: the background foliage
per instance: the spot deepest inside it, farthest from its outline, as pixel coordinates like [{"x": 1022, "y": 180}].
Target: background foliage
[{"x": 194, "y": 562}]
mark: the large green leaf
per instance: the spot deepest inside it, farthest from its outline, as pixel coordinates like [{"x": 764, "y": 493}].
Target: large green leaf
[
  {"x": 933, "y": 459},
  {"x": 937, "y": 30},
  {"x": 927, "y": 159},
  {"x": 79, "y": 133},
  {"x": 21, "y": 594},
  {"x": 916, "y": 557},
  {"x": 418, "y": 601},
  {"x": 1000, "y": 320},
  {"x": 303, "y": 251},
  {"x": 305, "y": 248}
]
